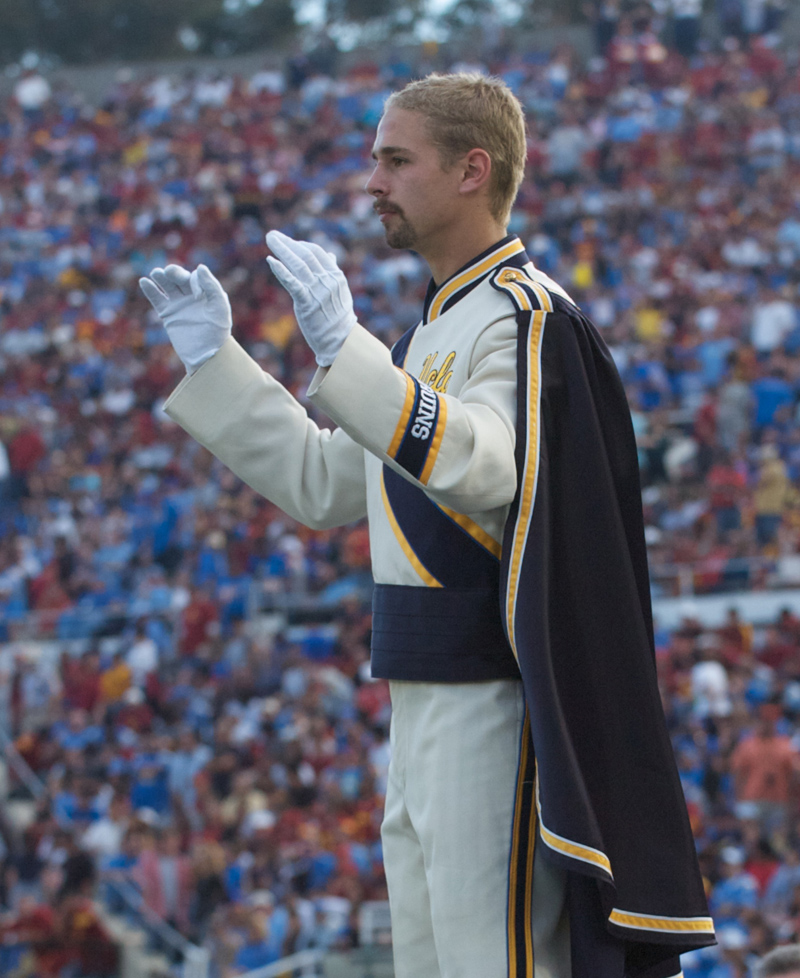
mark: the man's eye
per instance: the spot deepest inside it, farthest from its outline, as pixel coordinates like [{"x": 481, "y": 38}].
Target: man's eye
[{"x": 398, "y": 160}]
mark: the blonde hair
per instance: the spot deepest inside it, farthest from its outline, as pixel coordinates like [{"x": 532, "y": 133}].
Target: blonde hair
[{"x": 467, "y": 111}]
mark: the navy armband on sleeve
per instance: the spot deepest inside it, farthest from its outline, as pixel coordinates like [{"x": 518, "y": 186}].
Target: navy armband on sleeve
[{"x": 419, "y": 432}]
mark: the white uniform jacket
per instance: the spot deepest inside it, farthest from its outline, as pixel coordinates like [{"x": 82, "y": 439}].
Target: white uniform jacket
[{"x": 443, "y": 422}]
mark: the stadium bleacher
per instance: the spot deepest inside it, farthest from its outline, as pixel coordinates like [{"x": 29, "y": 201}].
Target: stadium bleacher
[{"x": 185, "y": 668}]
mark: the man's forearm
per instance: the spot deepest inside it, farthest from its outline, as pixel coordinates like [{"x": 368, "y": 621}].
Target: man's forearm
[{"x": 254, "y": 425}]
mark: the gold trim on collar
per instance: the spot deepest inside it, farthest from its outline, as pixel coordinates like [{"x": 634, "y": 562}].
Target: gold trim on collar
[{"x": 468, "y": 276}]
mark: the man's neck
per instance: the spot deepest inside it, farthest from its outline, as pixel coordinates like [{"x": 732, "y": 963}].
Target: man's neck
[{"x": 446, "y": 257}]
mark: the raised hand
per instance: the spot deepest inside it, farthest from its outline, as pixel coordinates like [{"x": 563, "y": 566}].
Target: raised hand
[
  {"x": 322, "y": 301},
  {"x": 194, "y": 308}
]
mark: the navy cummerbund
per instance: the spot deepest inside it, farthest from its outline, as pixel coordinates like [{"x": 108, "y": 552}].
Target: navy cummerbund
[{"x": 439, "y": 635}]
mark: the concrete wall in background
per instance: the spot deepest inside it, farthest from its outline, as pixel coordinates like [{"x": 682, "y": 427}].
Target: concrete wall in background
[{"x": 94, "y": 81}]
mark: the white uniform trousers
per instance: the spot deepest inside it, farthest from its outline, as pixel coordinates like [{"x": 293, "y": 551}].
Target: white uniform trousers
[{"x": 447, "y": 834}]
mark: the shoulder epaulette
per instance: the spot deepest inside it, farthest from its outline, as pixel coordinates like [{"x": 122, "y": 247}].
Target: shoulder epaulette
[{"x": 526, "y": 294}]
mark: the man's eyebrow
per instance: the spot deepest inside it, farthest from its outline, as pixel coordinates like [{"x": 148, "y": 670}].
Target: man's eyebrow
[{"x": 390, "y": 151}]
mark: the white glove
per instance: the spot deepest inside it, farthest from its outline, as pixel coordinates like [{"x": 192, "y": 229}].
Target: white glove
[
  {"x": 322, "y": 301},
  {"x": 194, "y": 308}
]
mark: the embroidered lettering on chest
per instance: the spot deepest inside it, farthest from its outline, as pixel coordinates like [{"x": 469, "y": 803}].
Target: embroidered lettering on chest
[{"x": 437, "y": 377}]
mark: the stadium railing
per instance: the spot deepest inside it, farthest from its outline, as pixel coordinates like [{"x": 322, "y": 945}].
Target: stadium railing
[
  {"x": 371, "y": 959},
  {"x": 304, "y": 964},
  {"x": 83, "y": 625},
  {"x": 78, "y": 629},
  {"x": 123, "y": 898},
  {"x": 119, "y": 897},
  {"x": 725, "y": 575},
  {"x": 17, "y": 763}
]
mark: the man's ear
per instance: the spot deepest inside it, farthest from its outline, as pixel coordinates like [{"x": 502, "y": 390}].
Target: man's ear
[{"x": 476, "y": 171}]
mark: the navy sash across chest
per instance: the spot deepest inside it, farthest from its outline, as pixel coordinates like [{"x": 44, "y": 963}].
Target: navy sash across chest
[{"x": 452, "y": 630}]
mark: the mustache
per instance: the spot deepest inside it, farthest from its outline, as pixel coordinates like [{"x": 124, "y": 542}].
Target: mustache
[{"x": 381, "y": 208}]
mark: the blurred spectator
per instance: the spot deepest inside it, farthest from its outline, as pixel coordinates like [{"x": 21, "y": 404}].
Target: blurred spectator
[
  {"x": 32, "y": 91},
  {"x": 774, "y": 319},
  {"x": 772, "y": 496},
  {"x": 783, "y": 884},
  {"x": 765, "y": 769},
  {"x": 115, "y": 679},
  {"x": 164, "y": 875},
  {"x": 208, "y": 884},
  {"x": 727, "y": 484},
  {"x": 142, "y": 657},
  {"x": 104, "y": 837},
  {"x": 81, "y": 937},
  {"x": 734, "y": 413},
  {"x": 710, "y": 685},
  {"x": 737, "y": 890},
  {"x": 782, "y": 962}
]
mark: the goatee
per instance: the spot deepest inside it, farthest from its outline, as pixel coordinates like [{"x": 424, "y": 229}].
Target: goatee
[{"x": 400, "y": 234}]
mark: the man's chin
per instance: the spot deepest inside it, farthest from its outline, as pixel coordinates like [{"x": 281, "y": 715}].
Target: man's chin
[{"x": 401, "y": 239}]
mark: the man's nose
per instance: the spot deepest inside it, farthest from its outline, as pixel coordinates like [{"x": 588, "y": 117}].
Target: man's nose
[{"x": 374, "y": 184}]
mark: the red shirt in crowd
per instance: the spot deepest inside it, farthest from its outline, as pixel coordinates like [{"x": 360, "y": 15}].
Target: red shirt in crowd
[
  {"x": 198, "y": 615},
  {"x": 25, "y": 450}
]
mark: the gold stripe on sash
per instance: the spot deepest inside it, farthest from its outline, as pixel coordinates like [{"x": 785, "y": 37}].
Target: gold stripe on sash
[
  {"x": 475, "y": 531},
  {"x": 413, "y": 559}
]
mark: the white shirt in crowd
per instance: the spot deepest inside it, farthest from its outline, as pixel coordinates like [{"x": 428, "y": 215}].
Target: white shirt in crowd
[
  {"x": 142, "y": 659},
  {"x": 710, "y": 689},
  {"x": 32, "y": 91},
  {"x": 104, "y": 837},
  {"x": 772, "y": 323}
]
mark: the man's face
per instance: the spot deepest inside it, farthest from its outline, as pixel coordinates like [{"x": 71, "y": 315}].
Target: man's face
[{"x": 416, "y": 198}]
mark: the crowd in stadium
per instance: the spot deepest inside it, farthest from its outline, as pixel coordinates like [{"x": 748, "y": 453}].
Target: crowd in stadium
[{"x": 186, "y": 668}]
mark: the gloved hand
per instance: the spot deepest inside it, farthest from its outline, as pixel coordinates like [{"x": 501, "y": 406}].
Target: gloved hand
[
  {"x": 322, "y": 301},
  {"x": 194, "y": 308}
]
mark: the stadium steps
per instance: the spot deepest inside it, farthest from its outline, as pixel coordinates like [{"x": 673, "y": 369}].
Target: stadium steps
[
  {"x": 364, "y": 962},
  {"x": 136, "y": 959}
]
